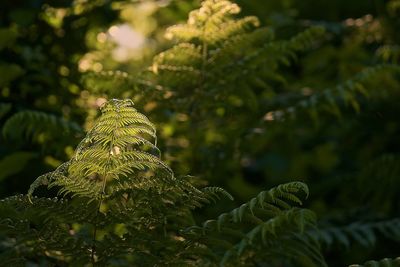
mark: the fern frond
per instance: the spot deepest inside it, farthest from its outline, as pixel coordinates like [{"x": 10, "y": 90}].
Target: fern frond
[
  {"x": 60, "y": 209},
  {"x": 114, "y": 183},
  {"x": 43, "y": 229},
  {"x": 203, "y": 21},
  {"x": 281, "y": 236},
  {"x": 180, "y": 55},
  {"x": 116, "y": 160},
  {"x": 381, "y": 263},
  {"x": 304, "y": 40},
  {"x": 100, "y": 82},
  {"x": 45, "y": 179},
  {"x": 274, "y": 201},
  {"x": 29, "y": 124},
  {"x": 364, "y": 233},
  {"x": 330, "y": 99},
  {"x": 213, "y": 193},
  {"x": 239, "y": 43},
  {"x": 266, "y": 55},
  {"x": 113, "y": 148},
  {"x": 269, "y": 219},
  {"x": 212, "y": 43}
]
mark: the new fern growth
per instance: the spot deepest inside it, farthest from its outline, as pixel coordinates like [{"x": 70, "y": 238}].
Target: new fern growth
[{"x": 120, "y": 204}]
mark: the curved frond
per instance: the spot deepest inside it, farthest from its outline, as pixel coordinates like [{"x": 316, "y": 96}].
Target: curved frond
[
  {"x": 214, "y": 192},
  {"x": 43, "y": 230},
  {"x": 214, "y": 42},
  {"x": 204, "y": 20},
  {"x": 347, "y": 93},
  {"x": 28, "y": 124},
  {"x": 262, "y": 223},
  {"x": 120, "y": 144},
  {"x": 364, "y": 233}
]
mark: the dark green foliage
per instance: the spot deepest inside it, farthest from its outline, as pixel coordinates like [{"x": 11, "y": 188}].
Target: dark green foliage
[
  {"x": 245, "y": 106},
  {"x": 307, "y": 90},
  {"x": 330, "y": 100},
  {"x": 239, "y": 51},
  {"x": 40, "y": 45},
  {"x": 27, "y": 128},
  {"x": 272, "y": 227},
  {"x": 30, "y": 124},
  {"x": 120, "y": 204},
  {"x": 43, "y": 231},
  {"x": 212, "y": 43},
  {"x": 364, "y": 233}
]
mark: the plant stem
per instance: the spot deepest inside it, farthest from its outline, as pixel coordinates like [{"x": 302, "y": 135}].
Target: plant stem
[{"x": 97, "y": 212}]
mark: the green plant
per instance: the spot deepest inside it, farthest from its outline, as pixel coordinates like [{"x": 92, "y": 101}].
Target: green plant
[
  {"x": 381, "y": 263},
  {"x": 313, "y": 99},
  {"x": 37, "y": 126},
  {"x": 187, "y": 87},
  {"x": 39, "y": 84},
  {"x": 364, "y": 233},
  {"x": 310, "y": 90},
  {"x": 212, "y": 43},
  {"x": 119, "y": 204}
]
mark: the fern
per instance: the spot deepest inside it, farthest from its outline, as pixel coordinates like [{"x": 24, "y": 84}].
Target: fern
[
  {"x": 330, "y": 100},
  {"x": 41, "y": 230},
  {"x": 117, "y": 171},
  {"x": 381, "y": 263},
  {"x": 222, "y": 67},
  {"x": 212, "y": 43},
  {"x": 118, "y": 202},
  {"x": 364, "y": 233},
  {"x": 273, "y": 228},
  {"x": 112, "y": 151},
  {"x": 108, "y": 79},
  {"x": 23, "y": 130},
  {"x": 30, "y": 124}
]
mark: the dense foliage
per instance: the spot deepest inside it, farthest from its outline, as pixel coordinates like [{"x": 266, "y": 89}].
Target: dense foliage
[{"x": 300, "y": 94}]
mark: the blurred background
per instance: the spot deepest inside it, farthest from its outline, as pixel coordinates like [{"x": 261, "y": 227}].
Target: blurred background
[{"x": 60, "y": 60}]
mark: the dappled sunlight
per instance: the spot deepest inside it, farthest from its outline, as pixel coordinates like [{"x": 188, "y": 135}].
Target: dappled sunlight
[
  {"x": 200, "y": 133},
  {"x": 128, "y": 42}
]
